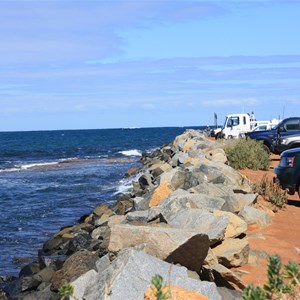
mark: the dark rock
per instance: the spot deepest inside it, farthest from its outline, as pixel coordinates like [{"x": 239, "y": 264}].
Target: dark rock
[
  {"x": 77, "y": 264},
  {"x": 190, "y": 180},
  {"x": 145, "y": 181},
  {"x": 83, "y": 218},
  {"x": 45, "y": 294},
  {"x": 78, "y": 242},
  {"x": 3, "y": 295},
  {"x": 46, "y": 274},
  {"x": 53, "y": 261},
  {"x": 168, "y": 150},
  {"x": 29, "y": 269},
  {"x": 22, "y": 284},
  {"x": 6, "y": 279},
  {"x": 52, "y": 244},
  {"x": 93, "y": 245}
]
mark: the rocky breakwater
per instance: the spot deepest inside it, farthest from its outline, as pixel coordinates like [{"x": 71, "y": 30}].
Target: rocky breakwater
[{"x": 184, "y": 219}]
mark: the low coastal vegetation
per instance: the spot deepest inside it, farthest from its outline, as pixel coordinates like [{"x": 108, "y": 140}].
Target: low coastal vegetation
[
  {"x": 158, "y": 288},
  {"x": 271, "y": 192},
  {"x": 65, "y": 290},
  {"x": 283, "y": 282},
  {"x": 250, "y": 154},
  {"x": 246, "y": 154}
]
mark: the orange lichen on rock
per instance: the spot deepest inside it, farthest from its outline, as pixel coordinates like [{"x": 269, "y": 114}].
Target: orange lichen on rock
[
  {"x": 188, "y": 145},
  {"x": 176, "y": 292},
  {"x": 161, "y": 192}
]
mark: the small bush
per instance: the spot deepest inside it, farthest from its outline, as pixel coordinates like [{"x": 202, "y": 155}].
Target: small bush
[
  {"x": 158, "y": 288},
  {"x": 281, "y": 284},
  {"x": 271, "y": 192},
  {"x": 254, "y": 293},
  {"x": 247, "y": 154},
  {"x": 66, "y": 290}
]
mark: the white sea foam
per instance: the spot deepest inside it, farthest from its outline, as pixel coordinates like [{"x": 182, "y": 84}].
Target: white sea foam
[
  {"x": 10, "y": 170},
  {"x": 125, "y": 184},
  {"x": 131, "y": 127},
  {"x": 133, "y": 152},
  {"x": 28, "y": 166},
  {"x": 37, "y": 165}
]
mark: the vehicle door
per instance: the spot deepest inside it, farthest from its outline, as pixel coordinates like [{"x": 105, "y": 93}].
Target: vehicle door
[{"x": 290, "y": 127}]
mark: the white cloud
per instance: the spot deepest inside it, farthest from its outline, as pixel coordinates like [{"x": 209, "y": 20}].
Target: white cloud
[
  {"x": 148, "y": 106},
  {"x": 230, "y": 102}
]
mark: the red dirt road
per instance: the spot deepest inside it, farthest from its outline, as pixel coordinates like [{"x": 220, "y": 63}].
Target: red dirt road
[{"x": 282, "y": 237}]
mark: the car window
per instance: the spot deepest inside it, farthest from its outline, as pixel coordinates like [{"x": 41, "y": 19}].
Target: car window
[
  {"x": 291, "y": 125},
  {"x": 233, "y": 121},
  {"x": 260, "y": 128}
]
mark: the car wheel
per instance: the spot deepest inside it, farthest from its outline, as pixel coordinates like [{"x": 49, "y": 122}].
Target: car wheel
[
  {"x": 218, "y": 136},
  {"x": 266, "y": 148}
]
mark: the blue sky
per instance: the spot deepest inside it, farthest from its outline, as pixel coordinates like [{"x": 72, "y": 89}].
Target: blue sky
[{"x": 80, "y": 64}]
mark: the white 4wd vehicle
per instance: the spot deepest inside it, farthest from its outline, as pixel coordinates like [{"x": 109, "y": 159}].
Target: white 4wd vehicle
[{"x": 237, "y": 124}]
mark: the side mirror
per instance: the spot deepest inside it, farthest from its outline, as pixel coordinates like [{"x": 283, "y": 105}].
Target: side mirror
[{"x": 279, "y": 130}]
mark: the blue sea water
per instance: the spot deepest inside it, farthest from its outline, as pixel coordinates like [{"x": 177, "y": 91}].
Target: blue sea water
[{"x": 49, "y": 179}]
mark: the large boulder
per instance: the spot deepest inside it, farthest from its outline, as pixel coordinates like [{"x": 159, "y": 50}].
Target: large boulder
[
  {"x": 159, "y": 168},
  {"x": 201, "y": 221},
  {"x": 235, "y": 199},
  {"x": 141, "y": 203},
  {"x": 219, "y": 173},
  {"x": 236, "y": 226},
  {"x": 232, "y": 252},
  {"x": 253, "y": 215},
  {"x": 76, "y": 265},
  {"x": 223, "y": 276},
  {"x": 206, "y": 202},
  {"x": 186, "y": 247},
  {"x": 217, "y": 154},
  {"x": 160, "y": 193},
  {"x": 129, "y": 276},
  {"x": 174, "y": 203}
]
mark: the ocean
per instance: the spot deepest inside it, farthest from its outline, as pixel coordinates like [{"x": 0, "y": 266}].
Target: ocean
[{"x": 49, "y": 179}]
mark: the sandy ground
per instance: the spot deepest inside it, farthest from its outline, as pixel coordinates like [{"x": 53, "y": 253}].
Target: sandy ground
[{"x": 282, "y": 237}]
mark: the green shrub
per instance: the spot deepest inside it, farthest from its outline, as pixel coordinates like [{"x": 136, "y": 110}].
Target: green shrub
[
  {"x": 247, "y": 154},
  {"x": 276, "y": 287},
  {"x": 157, "y": 282},
  {"x": 66, "y": 290},
  {"x": 280, "y": 282},
  {"x": 254, "y": 293},
  {"x": 271, "y": 192}
]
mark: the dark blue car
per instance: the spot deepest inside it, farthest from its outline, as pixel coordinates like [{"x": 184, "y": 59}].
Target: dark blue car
[
  {"x": 288, "y": 171},
  {"x": 286, "y": 127}
]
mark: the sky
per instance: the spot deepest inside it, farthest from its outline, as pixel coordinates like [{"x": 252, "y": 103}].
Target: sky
[{"x": 85, "y": 64}]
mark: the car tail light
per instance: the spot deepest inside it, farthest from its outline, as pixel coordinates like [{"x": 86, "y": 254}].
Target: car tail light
[{"x": 287, "y": 161}]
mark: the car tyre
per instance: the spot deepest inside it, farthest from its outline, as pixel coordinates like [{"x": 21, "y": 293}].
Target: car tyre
[
  {"x": 218, "y": 136},
  {"x": 266, "y": 148}
]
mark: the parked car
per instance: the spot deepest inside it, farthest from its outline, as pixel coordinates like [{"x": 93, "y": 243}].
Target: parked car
[
  {"x": 264, "y": 127},
  {"x": 288, "y": 171},
  {"x": 286, "y": 127},
  {"x": 281, "y": 144}
]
